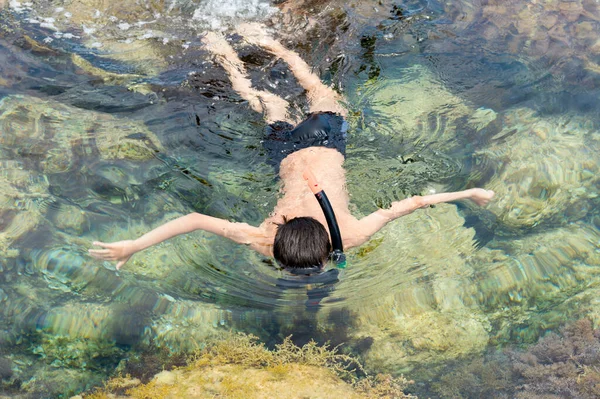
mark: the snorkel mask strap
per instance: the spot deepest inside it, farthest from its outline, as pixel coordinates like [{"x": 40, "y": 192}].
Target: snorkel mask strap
[
  {"x": 336, "y": 238},
  {"x": 304, "y": 271}
]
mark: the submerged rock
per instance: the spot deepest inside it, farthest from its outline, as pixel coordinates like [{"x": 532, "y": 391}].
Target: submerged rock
[
  {"x": 544, "y": 169},
  {"x": 554, "y": 37},
  {"x": 419, "y": 109},
  {"x": 107, "y": 77},
  {"x": 23, "y": 196},
  {"x": 51, "y": 133},
  {"x": 5, "y": 368},
  {"x": 71, "y": 219},
  {"x": 413, "y": 131},
  {"x": 42, "y": 137},
  {"x": 443, "y": 299},
  {"x": 237, "y": 366},
  {"x": 418, "y": 309},
  {"x": 531, "y": 284},
  {"x": 409, "y": 342}
]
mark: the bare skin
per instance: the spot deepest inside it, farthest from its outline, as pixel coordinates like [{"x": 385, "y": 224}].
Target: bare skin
[
  {"x": 297, "y": 198},
  {"x": 273, "y": 107}
]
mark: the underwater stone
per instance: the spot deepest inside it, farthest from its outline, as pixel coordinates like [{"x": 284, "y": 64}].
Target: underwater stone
[
  {"x": 107, "y": 77},
  {"x": 541, "y": 33},
  {"x": 185, "y": 325},
  {"x": 543, "y": 169},
  {"x": 523, "y": 283},
  {"x": 430, "y": 318},
  {"x": 417, "y": 107},
  {"x": 70, "y": 219},
  {"x": 22, "y": 198},
  {"x": 5, "y": 368},
  {"x": 375, "y": 181},
  {"x": 58, "y": 130},
  {"x": 239, "y": 367},
  {"x": 425, "y": 339},
  {"x": 50, "y": 382},
  {"x": 482, "y": 117},
  {"x": 78, "y": 353},
  {"x": 78, "y": 321}
]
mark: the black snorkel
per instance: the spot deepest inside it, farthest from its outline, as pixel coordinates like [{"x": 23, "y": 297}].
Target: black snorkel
[{"x": 337, "y": 255}]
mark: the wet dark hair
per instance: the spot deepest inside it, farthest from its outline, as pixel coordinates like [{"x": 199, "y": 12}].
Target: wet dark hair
[{"x": 301, "y": 243}]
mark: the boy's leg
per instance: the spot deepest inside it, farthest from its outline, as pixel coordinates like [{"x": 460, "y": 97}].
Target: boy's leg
[
  {"x": 320, "y": 97},
  {"x": 274, "y": 107}
]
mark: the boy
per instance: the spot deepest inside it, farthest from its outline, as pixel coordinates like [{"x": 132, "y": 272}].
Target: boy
[{"x": 295, "y": 233}]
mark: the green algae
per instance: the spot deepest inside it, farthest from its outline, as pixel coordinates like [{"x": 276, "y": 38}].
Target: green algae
[
  {"x": 369, "y": 247},
  {"x": 238, "y": 366},
  {"x": 107, "y": 77},
  {"x": 76, "y": 353}
]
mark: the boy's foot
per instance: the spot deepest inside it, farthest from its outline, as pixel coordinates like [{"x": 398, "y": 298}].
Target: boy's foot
[
  {"x": 481, "y": 196},
  {"x": 255, "y": 33},
  {"x": 218, "y": 45}
]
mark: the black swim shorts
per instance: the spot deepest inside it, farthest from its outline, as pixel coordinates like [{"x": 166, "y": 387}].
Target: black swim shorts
[{"x": 321, "y": 129}]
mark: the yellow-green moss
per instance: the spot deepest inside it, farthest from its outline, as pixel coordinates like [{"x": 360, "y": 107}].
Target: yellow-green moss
[
  {"x": 383, "y": 386},
  {"x": 97, "y": 395},
  {"x": 239, "y": 366},
  {"x": 106, "y": 76},
  {"x": 151, "y": 390},
  {"x": 369, "y": 247},
  {"x": 247, "y": 350}
]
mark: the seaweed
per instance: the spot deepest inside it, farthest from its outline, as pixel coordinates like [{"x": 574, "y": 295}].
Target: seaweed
[
  {"x": 559, "y": 365},
  {"x": 247, "y": 351},
  {"x": 151, "y": 360},
  {"x": 241, "y": 366},
  {"x": 384, "y": 386}
]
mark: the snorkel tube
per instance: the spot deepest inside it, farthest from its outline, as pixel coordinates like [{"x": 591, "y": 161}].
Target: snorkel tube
[{"x": 337, "y": 254}]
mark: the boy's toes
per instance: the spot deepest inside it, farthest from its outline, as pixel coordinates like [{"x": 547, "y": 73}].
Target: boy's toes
[
  {"x": 254, "y": 33},
  {"x": 251, "y": 30},
  {"x": 215, "y": 42}
]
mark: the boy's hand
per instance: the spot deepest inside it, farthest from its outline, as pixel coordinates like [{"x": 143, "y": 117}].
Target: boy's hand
[
  {"x": 120, "y": 251},
  {"x": 480, "y": 196}
]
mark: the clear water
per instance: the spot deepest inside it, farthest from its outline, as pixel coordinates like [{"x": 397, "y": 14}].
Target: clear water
[{"x": 114, "y": 120}]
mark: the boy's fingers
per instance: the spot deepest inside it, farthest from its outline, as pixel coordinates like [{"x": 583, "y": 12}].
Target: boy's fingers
[
  {"x": 121, "y": 263},
  {"x": 99, "y": 251}
]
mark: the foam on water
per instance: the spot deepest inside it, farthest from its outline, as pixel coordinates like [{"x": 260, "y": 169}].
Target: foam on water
[
  {"x": 216, "y": 15},
  {"x": 125, "y": 21}
]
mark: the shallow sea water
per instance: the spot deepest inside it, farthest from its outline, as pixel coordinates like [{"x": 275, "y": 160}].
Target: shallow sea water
[{"x": 113, "y": 120}]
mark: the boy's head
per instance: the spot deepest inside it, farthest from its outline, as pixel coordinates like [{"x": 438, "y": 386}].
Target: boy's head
[{"x": 301, "y": 243}]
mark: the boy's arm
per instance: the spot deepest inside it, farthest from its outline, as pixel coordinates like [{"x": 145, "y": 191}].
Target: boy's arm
[
  {"x": 372, "y": 223},
  {"x": 121, "y": 251}
]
